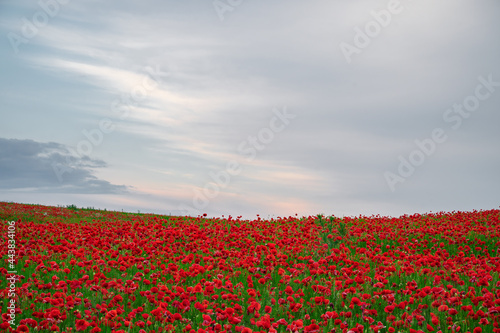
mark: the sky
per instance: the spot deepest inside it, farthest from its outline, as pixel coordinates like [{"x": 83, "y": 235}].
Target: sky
[{"x": 237, "y": 107}]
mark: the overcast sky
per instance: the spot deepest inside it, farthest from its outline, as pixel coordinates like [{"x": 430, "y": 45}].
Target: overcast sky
[{"x": 238, "y": 107}]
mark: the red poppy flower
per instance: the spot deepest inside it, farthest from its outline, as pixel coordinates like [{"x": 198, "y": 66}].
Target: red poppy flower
[
  {"x": 81, "y": 325},
  {"x": 313, "y": 328},
  {"x": 443, "y": 308},
  {"x": 23, "y": 328},
  {"x": 111, "y": 314}
]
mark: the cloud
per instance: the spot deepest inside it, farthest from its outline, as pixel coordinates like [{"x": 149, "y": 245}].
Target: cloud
[
  {"x": 223, "y": 79},
  {"x": 51, "y": 168}
]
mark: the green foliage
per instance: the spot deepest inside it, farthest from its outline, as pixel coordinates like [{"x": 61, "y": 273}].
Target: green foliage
[
  {"x": 342, "y": 230},
  {"x": 72, "y": 207},
  {"x": 327, "y": 230}
]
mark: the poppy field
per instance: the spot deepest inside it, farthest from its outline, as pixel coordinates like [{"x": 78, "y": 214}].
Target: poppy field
[{"x": 99, "y": 271}]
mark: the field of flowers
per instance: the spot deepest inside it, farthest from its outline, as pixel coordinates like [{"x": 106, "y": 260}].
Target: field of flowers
[{"x": 98, "y": 271}]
